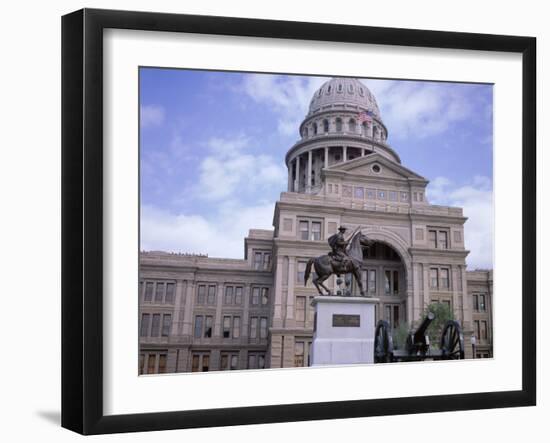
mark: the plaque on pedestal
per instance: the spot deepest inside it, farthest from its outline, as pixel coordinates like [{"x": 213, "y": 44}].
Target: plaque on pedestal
[{"x": 344, "y": 330}]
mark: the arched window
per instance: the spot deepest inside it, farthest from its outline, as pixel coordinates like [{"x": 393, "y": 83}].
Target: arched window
[
  {"x": 340, "y": 87},
  {"x": 314, "y": 128},
  {"x": 320, "y": 92},
  {"x": 329, "y": 89},
  {"x": 325, "y": 126},
  {"x": 375, "y": 132},
  {"x": 306, "y": 132},
  {"x": 365, "y": 128},
  {"x": 350, "y": 89},
  {"x": 361, "y": 92},
  {"x": 338, "y": 125},
  {"x": 352, "y": 126}
]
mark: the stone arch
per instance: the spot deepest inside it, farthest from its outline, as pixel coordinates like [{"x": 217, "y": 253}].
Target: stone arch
[{"x": 397, "y": 243}]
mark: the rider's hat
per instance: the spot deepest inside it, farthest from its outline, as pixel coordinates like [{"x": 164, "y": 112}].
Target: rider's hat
[{"x": 342, "y": 229}]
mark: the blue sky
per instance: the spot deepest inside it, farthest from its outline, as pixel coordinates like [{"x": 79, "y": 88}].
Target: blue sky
[{"x": 213, "y": 147}]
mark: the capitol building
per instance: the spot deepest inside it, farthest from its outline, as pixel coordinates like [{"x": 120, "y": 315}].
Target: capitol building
[{"x": 198, "y": 313}]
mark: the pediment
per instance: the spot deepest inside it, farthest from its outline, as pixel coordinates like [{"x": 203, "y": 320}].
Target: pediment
[{"x": 363, "y": 166}]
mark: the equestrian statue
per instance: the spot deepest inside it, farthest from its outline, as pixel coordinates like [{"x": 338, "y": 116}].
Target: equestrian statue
[{"x": 346, "y": 258}]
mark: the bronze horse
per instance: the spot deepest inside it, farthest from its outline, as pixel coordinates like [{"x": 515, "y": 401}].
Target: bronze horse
[{"x": 325, "y": 265}]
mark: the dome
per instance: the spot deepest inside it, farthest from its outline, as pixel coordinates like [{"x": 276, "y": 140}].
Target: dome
[{"x": 344, "y": 91}]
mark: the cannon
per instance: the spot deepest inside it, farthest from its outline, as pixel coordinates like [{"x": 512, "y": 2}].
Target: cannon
[{"x": 417, "y": 347}]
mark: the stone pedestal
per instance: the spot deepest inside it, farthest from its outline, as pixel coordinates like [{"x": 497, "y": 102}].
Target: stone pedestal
[{"x": 344, "y": 330}]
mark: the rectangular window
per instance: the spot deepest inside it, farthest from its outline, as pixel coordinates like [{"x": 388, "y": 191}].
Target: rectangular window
[
  {"x": 224, "y": 360},
  {"x": 300, "y": 308},
  {"x": 211, "y": 295},
  {"x": 392, "y": 195},
  {"x": 442, "y": 240},
  {"x": 162, "y": 363},
  {"x": 141, "y": 363},
  {"x": 166, "y": 324},
  {"x": 444, "y": 278},
  {"x": 475, "y": 302},
  {"x": 170, "y": 293},
  {"x": 144, "y": 330},
  {"x": 265, "y": 296},
  {"x": 234, "y": 362},
  {"x": 195, "y": 364},
  {"x": 299, "y": 351},
  {"x": 477, "y": 329},
  {"x": 255, "y": 298},
  {"x": 228, "y": 295},
  {"x": 267, "y": 260},
  {"x": 482, "y": 302},
  {"x": 251, "y": 361},
  {"x": 301, "y": 270},
  {"x": 336, "y": 189},
  {"x": 304, "y": 230},
  {"x": 208, "y": 322},
  {"x": 381, "y": 195},
  {"x": 238, "y": 295},
  {"x": 148, "y": 291},
  {"x": 261, "y": 361},
  {"x": 257, "y": 260},
  {"x": 159, "y": 293},
  {"x": 395, "y": 283},
  {"x": 151, "y": 362},
  {"x": 395, "y": 316},
  {"x": 315, "y": 231},
  {"x": 387, "y": 282},
  {"x": 198, "y": 326},
  {"x": 359, "y": 193},
  {"x": 253, "y": 327},
  {"x": 236, "y": 327},
  {"x": 404, "y": 196},
  {"x": 226, "y": 327},
  {"x": 372, "y": 281},
  {"x": 155, "y": 326},
  {"x": 205, "y": 362},
  {"x": 201, "y": 295},
  {"x": 263, "y": 327},
  {"x": 483, "y": 330},
  {"x": 371, "y": 194},
  {"x": 432, "y": 239},
  {"x": 434, "y": 278}
]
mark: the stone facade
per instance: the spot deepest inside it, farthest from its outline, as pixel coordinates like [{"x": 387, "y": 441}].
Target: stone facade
[{"x": 199, "y": 313}]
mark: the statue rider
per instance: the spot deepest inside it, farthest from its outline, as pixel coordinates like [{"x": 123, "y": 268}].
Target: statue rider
[{"x": 338, "y": 243}]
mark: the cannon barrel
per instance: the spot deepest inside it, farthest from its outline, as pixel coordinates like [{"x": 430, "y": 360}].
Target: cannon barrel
[{"x": 420, "y": 333}]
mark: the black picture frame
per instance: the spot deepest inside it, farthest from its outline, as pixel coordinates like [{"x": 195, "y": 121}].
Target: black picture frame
[{"x": 82, "y": 218}]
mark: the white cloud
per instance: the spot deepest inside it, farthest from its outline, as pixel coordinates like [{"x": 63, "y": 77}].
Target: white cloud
[
  {"x": 151, "y": 115},
  {"x": 288, "y": 97},
  {"x": 221, "y": 235},
  {"x": 476, "y": 199},
  {"x": 419, "y": 109},
  {"x": 230, "y": 171}
]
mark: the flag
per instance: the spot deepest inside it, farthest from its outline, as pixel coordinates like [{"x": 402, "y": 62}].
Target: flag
[{"x": 364, "y": 117}]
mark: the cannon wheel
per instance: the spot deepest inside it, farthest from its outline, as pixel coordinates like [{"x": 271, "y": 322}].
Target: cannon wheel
[
  {"x": 383, "y": 343},
  {"x": 452, "y": 342}
]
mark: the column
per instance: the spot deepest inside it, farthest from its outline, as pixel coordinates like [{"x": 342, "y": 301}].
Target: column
[
  {"x": 290, "y": 168},
  {"x": 363, "y": 152},
  {"x": 177, "y": 323},
  {"x": 309, "y": 174},
  {"x": 345, "y": 153},
  {"x": 289, "y": 321},
  {"x": 278, "y": 303},
  {"x": 326, "y": 157},
  {"x": 297, "y": 181},
  {"x": 188, "y": 310},
  {"x": 218, "y": 319}
]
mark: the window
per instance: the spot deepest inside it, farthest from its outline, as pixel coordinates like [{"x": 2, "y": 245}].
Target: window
[
  {"x": 315, "y": 231},
  {"x": 299, "y": 352},
  {"x": 238, "y": 295},
  {"x": 170, "y": 293},
  {"x": 262, "y": 259},
  {"x": 325, "y": 126},
  {"x": 300, "y": 308},
  {"x": 255, "y": 297},
  {"x": 211, "y": 295},
  {"x": 166, "y": 324},
  {"x": 432, "y": 238},
  {"x": 258, "y": 261},
  {"x": 371, "y": 194},
  {"x": 229, "y": 361},
  {"x": 231, "y": 327},
  {"x": 198, "y": 326},
  {"x": 381, "y": 195},
  {"x": 434, "y": 278},
  {"x": 145, "y": 321},
  {"x": 253, "y": 327},
  {"x": 391, "y": 314},
  {"x": 439, "y": 278},
  {"x": 477, "y": 329},
  {"x": 304, "y": 230},
  {"x": 372, "y": 281},
  {"x": 442, "y": 239},
  {"x": 392, "y": 196},
  {"x": 151, "y": 363},
  {"x": 310, "y": 230},
  {"x": 482, "y": 302},
  {"x": 159, "y": 293},
  {"x": 141, "y": 363},
  {"x": 352, "y": 126},
  {"x": 387, "y": 279},
  {"x": 265, "y": 296},
  {"x": 346, "y": 191},
  {"x": 208, "y": 321},
  {"x": 395, "y": 282},
  {"x": 149, "y": 291},
  {"x": 483, "y": 325},
  {"x": 338, "y": 125},
  {"x": 376, "y": 169},
  {"x": 200, "y": 362},
  {"x": 301, "y": 270},
  {"x": 305, "y": 132},
  {"x": 359, "y": 192},
  {"x": 201, "y": 294},
  {"x": 263, "y": 327},
  {"x": 162, "y": 363},
  {"x": 228, "y": 299},
  {"x": 155, "y": 326},
  {"x": 404, "y": 196},
  {"x": 256, "y": 361},
  {"x": 475, "y": 302}
]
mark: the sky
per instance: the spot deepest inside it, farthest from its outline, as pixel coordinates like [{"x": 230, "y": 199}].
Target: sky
[{"x": 212, "y": 147}]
